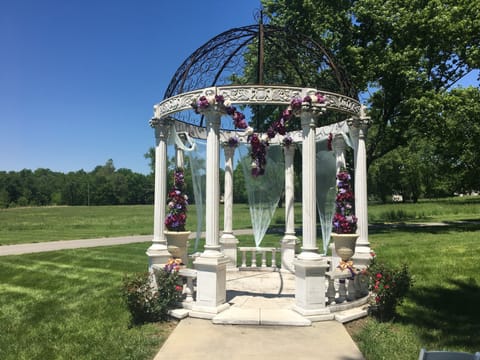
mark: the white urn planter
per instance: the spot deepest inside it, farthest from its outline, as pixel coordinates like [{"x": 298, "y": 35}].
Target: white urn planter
[
  {"x": 177, "y": 244},
  {"x": 345, "y": 245}
]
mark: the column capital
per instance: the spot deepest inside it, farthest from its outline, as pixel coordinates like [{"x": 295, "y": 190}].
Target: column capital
[
  {"x": 228, "y": 149},
  {"x": 289, "y": 150},
  {"x": 362, "y": 122},
  {"x": 161, "y": 129},
  {"x": 310, "y": 113},
  {"x": 212, "y": 117}
]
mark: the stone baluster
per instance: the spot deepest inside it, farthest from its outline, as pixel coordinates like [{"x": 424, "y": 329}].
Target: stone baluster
[
  {"x": 351, "y": 292},
  {"x": 342, "y": 291},
  {"x": 254, "y": 259}
]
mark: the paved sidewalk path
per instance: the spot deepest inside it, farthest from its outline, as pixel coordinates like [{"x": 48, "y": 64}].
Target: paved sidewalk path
[
  {"x": 70, "y": 244},
  {"x": 86, "y": 243}
]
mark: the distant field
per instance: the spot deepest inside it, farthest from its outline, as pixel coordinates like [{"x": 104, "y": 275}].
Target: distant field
[{"x": 40, "y": 224}]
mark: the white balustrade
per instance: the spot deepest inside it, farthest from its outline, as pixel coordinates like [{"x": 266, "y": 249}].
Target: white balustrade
[
  {"x": 268, "y": 254},
  {"x": 342, "y": 287},
  {"x": 190, "y": 276}
]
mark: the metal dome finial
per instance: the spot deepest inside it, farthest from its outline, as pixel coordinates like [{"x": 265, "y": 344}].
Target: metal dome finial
[{"x": 260, "y": 17}]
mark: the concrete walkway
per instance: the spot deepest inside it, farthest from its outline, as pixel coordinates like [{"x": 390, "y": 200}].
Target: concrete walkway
[
  {"x": 197, "y": 339},
  {"x": 70, "y": 244},
  {"x": 258, "y": 301}
]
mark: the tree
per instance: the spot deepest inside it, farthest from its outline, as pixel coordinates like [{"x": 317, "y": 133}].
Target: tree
[{"x": 399, "y": 55}]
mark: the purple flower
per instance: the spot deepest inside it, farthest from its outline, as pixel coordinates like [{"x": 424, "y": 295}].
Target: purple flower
[
  {"x": 177, "y": 203},
  {"x": 344, "y": 221},
  {"x": 296, "y": 103}
]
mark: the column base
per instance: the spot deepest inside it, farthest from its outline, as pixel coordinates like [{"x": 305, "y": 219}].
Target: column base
[
  {"x": 228, "y": 243},
  {"x": 201, "y": 312},
  {"x": 361, "y": 259},
  {"x": 157, "y": 255},
  {"x": 310, "y": 287},
  {"x": 211, "y": 284},
  {"x": 288, "y": 245}
]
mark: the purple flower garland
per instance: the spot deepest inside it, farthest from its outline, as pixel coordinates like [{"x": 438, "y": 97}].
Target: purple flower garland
[
  {"x": 344, "y": 220},
  {"x": 259, "y": 144},
  {"x": 177, "y": 203}
]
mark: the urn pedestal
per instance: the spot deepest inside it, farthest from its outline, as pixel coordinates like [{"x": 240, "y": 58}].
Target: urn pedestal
[
  {"x": 177, "y": 244},
  {"x": 344, "y": 245}
]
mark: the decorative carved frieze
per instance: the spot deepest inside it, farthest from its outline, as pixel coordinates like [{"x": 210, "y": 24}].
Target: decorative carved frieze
[{"x": 256, "y": 95}]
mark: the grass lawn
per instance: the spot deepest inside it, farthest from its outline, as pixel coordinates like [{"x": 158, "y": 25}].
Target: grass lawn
[
  {"x": 67, "y": 304},
  {"x": 442, "y": 309}
]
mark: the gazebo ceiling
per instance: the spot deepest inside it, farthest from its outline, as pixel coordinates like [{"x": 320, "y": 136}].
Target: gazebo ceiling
[{"x": 260, "y": 55}]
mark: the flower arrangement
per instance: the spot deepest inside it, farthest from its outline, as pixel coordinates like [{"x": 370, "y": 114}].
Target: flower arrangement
[
  {"x": 344, "y": 220},
  {"x": 177, "y": 203}
]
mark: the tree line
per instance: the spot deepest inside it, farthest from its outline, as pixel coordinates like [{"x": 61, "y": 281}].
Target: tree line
[{"x": 105, "y": 185}]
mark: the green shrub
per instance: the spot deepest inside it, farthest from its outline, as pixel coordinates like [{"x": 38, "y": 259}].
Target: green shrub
[
  {"x": 147, "y": 302},
  {"x": 388, "y": 287}
]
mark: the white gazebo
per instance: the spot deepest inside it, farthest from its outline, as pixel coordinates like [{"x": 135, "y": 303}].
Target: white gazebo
[{"x": 210, "y": 72}]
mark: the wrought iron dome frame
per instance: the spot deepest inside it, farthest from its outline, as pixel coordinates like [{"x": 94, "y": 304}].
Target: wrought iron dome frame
[{"x": 249, "y": 67}]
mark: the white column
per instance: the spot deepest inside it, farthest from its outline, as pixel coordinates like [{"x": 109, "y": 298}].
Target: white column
[
  {"x": 212, "y": 201},
  {"x": 339, "y": 146},
  {"x": 228, "y": 241},
  {"x": 211, "y": 265},
  {"x": 309, "y": 204},
  {"x": 310, "y": 266},
  {"x": 362, "y": 250},
  {"x": 179, "y": 157},
  {"x": 157, "y": 252},
  {"x": 289, "y": 239}
]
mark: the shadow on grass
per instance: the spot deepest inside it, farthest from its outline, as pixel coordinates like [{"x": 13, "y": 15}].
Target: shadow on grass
[
  {"x": 448, "y": 317},
  {"x": 431, "y": 228}
]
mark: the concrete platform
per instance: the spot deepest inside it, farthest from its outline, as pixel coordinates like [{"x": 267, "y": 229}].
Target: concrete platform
[
  {"x": 268, "y": 298},
  {"x": 260, "y": 298}
]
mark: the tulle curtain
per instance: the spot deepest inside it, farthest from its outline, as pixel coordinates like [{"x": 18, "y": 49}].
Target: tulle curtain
[
  {"x": 197, "y": 161},
  {"x": 325, "y": 185},
  {"x": 263, "y": 191}
]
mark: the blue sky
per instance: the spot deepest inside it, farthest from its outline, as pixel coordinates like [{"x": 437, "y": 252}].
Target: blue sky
[{"x": 79, "y": 78}]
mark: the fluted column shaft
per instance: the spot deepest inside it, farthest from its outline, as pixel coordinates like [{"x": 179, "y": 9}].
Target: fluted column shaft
[
  {"x": 160, "y": 199},
  {"x": 360, "y": 126},
  {"x": 157, "y": 252},
  {"x": 228, "y": 190},
  {"x": 179, "y": 157},
  {"x": 309, "y": 206},
  {"x": 339, "y": 146},
  {"x": 289, "y": 152},
  {"x": 212, "y": 201}
]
